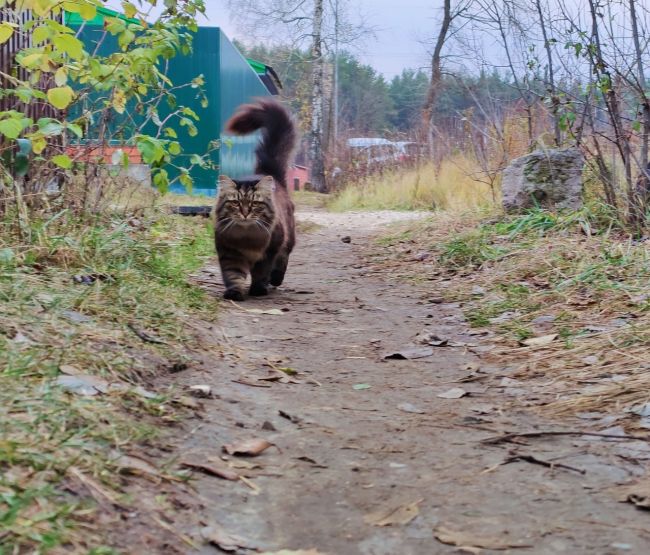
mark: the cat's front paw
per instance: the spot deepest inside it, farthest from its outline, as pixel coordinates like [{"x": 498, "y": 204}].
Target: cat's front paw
[
  {"x": 233, "y": 295},
  {"x": 258, "y": 290}
]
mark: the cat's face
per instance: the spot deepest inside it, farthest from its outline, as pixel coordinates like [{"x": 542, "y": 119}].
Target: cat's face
[{"x": 245, "y": 204}]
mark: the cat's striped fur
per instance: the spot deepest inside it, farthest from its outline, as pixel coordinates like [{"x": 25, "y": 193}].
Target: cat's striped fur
[{"x": 255, "y": 227}]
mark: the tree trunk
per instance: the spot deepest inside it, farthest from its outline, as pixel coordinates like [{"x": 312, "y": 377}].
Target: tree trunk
[
  {"x": 611, "y": 97},
  {"x": 436, "y": 78},
  {"x": 638, "y": 202},
  {"x": 641, "y": 85},
  {"x": 316, "y": 135},
  {"x": 555, "y": 101}
]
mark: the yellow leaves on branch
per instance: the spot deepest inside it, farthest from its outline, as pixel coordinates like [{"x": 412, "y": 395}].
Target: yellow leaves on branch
[
  {"x": 6, "y": 31},
  {"x": 119, "y": 101},
  {"x": 87, "y": 9},
  {"x": 60, "y": 97}
]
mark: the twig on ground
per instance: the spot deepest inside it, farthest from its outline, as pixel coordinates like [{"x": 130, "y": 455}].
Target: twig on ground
[
  {"x": 511, "y": 436},
  {"x": 517, "y": 457},
  {"x": 145, "y": 336}
]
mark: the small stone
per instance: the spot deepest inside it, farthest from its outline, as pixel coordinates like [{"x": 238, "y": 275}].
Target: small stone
[
  {"x": 76, "y": 317},
  {"x": 545, "y": 319},
  {"x": 591, "y": 360},
  {"x": 346, "y": 239},
  {"x": 200, "y": 391}
]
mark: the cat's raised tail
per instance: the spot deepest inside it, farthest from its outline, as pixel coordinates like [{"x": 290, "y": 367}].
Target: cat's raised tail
[{"x": 279, "y": 135}]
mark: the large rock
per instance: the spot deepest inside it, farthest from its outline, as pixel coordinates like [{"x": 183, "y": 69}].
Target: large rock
[{"x": 547, "y": 178}]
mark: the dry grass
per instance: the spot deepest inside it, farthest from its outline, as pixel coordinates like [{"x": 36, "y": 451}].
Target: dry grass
[
  {"x": 571, "y": 276},
  {"x": 420, "y": 188}
]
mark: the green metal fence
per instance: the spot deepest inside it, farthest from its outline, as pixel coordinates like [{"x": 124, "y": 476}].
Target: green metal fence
[{"x": 229, "y": 81}]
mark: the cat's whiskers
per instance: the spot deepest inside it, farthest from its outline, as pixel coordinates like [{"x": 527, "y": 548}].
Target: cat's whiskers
[
  {"x": 228, "y": 225},
  {"x": 262, "y": 226}
]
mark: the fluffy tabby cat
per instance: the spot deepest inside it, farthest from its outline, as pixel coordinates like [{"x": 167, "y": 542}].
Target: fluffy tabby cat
[{"x": 255, "y": 227}]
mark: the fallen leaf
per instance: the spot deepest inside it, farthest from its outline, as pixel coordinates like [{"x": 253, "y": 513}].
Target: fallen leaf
[
  {"x": 225, "y": 541},
  {"x": 453, "y": 393},
  {"x": 187, "y": 402},
  {"x": 638, "y": 494},
  {"x": 211, "y": 468},
  {"x": 135, "y": 465},
  {"x": 471, "y": 378},
  {"x": 270, "y": 311},
  {"x": 408, "y": 407},
  {"x": 238, "y": 463},
  {"x": 278, "y": 376},
  {"x": 89, "y": 279},
  {"x": 400, "y": 515},
  {"x": 83, "y": 384},
  {"x": 540, "y": 341},
  {"x": 289, "y": 552},
  {"x": 290, "y": 417},
  {"x": 432, "y": 339},
  {"x": 311, "y": 461},
  {"x": 142, "y": 392},
  {"x": 409, "y": 353},
  {"x": 471, "y": 541},
  {"x": 70, "y": 370},
  {"x": 472, "y": 366},
  {"x": 248, "y": 447},
  {"x": 505, "y": 317},
  {"x": 361, "y": 386}
]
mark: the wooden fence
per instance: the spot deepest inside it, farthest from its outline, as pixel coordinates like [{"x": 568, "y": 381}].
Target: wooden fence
[{"x": 11, "y": 72}]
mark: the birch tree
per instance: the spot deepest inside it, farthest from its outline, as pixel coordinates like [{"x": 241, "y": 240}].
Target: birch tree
[{"x": 311, "y": 24}]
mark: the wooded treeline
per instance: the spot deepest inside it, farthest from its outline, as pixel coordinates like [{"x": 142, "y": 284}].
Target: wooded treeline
[
  {"x": 371, "y": 105},
  {"x": 506, "y": 77}
]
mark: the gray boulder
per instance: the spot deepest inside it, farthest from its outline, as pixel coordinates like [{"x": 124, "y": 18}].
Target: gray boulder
[{"x": 547, "y": 178}]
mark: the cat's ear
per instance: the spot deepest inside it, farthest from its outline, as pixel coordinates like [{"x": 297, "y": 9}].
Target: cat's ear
[
  {"x": 226, "y": 185},
  {"x": 266, "y": 185}
]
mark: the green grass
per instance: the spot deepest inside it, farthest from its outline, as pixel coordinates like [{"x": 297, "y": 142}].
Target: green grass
[{"x": 49, "y": 321}]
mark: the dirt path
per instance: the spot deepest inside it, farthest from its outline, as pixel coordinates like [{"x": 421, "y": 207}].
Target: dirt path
[{"x": 359, "y": 436}]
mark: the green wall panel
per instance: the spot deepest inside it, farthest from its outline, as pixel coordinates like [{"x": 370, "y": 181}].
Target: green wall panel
[
  {"x": 239, "y": 84},
  {"x": 229, "y": 82}
]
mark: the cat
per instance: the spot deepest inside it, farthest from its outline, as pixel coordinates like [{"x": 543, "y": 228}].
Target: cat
[{"x": 255, "y": 228}]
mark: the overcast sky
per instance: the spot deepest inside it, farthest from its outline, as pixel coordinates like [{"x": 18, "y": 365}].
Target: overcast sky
[{"x": 401, "y": 27}]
